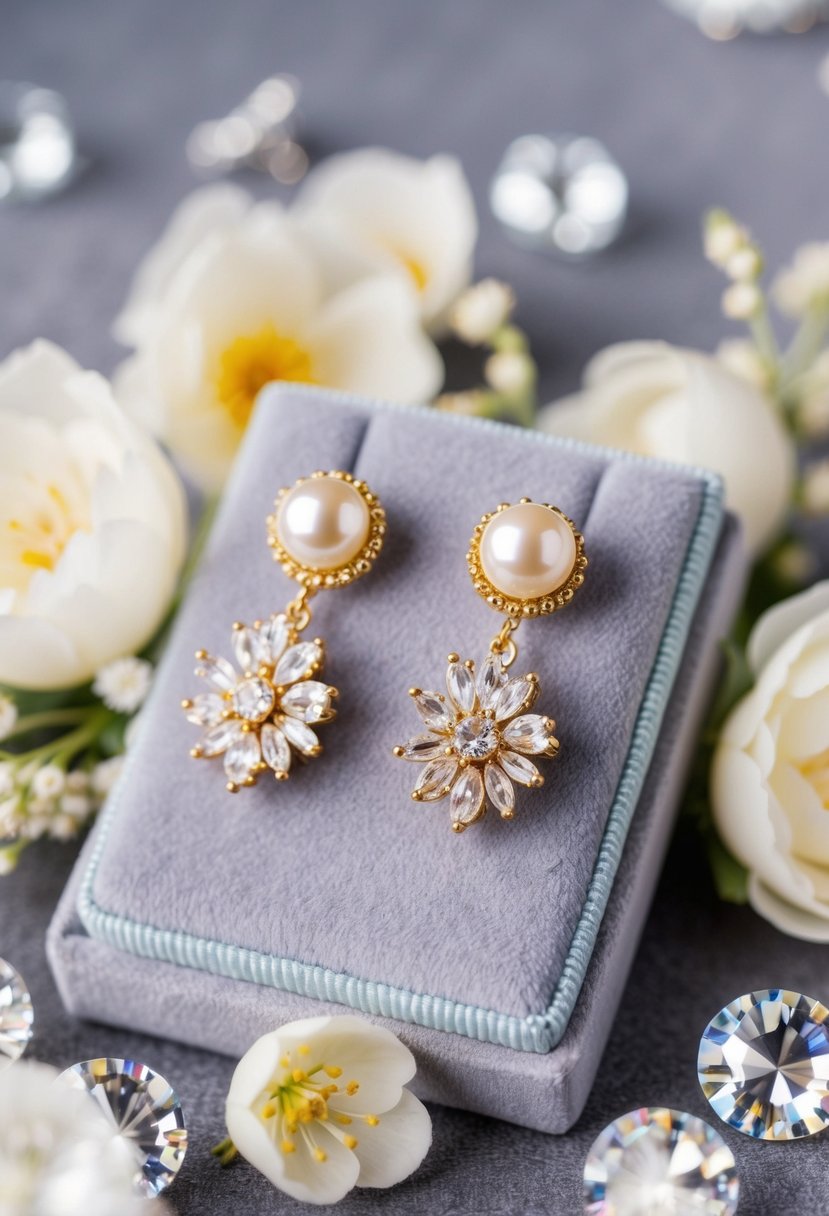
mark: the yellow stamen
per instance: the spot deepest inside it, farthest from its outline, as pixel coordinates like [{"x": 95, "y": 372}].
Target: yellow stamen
[
  {"x": 253, "y": 360},
  {"x": 304, "y": 1049},
  {"x": 416, "y": 268},
  {"x": 331, "y": 1070},
  {"x": 269, "y": 1110},
  {"x": 372, "y": 1120},
  {"x": 352, "y": 1088},
  {"x": 285, "y": 1062},
  {"x": 288, "y": 1146},
  {"x": 350, "y": 1141},
  {"x": 320, "y": 1155},
  {"x": 40, "y": 561},
  {"x": 328, "y": 1090},
  {"x": 298, "y": 1075},
  {"x": 344, "y": 1119}
]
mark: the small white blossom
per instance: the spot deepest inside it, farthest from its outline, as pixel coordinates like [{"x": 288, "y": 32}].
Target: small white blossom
[
  {"x": 8, "y": 861},
  {"x": 35, "y": 826},
  {"x": 123, "y": 684},
  {"x": 741, "y": 301},
  {"x": 468, "y": 404},
  {"x": 63, "y": 827},
  {"x": 10, "y": 816},
  {"x": 745, "y": 265},
  {"x": 509, "y": 372},
  {"x": 815, "y": 488},
  {"x": 723, "y": 238},
  {"x": 804, "y": 284},
  {"x": 40, "y": 808},
  {"x": 105, "y": 774},
  {"x": 26, "y": 772},
  {"x": 481, "y": 310},
  {"x": 8, "y": 716},
  {"x": 77, "y": 781},
  {"x": 743, "y": 359},
  {"x": 76, "y": 806},
  {"x": 48, "y": 782}
]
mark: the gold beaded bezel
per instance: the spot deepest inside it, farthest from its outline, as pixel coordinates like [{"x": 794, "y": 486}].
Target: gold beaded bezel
[
  {"x": 518, "y": 608},
  {"x": 339, "y": 576}
]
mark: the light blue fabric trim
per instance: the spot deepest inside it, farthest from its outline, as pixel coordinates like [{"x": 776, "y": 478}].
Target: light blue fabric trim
[{"x": 538, "y": 1032}]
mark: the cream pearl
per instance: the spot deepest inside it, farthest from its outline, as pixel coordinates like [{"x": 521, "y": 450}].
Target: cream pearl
[
  {"x": 527, "y": 551},
  {"x": 323, "y": 523}
]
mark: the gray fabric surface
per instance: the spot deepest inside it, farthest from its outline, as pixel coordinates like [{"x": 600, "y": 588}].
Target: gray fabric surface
[{"x": 694, "y": 123}]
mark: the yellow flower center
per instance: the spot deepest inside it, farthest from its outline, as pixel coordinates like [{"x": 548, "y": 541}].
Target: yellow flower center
[
  {"x": 253, "y": 360},
  {"x": 36, "y": 539},
  {"x": 816, "y": 772},
  {"x": 300, "y": 1099},
  {"x": 417, "y": 269}
]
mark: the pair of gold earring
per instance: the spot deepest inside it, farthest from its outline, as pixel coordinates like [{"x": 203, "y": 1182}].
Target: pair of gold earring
[{"x": 327, "y": 530}]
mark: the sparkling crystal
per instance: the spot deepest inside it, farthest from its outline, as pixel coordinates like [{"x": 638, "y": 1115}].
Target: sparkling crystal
[
  {"x": 764, "y": 1065},
  {"x": 527, "y": 733},
  {"x": 435, "y": 779},
  {"x": 248, "y": 648},
  {"x": 220, "y": 737},
  {"x": 206, "y": 709},
  {"x": 476, "y": 738},
  {"x": 301, "y": 736},
  {"x": 460, "y": 683},
  {"x": 242, "y": 757},
  {"x": 434, "y": 711},
  {"x": 658, "y": 1162},
  {"x": 514, "y": 696},
  {"x": 467, "y": 799},
  {"x": 519, "y": 768},
  {"x": 16, "y": 1014},
  {"x": 144, "y": 1112},
  {"x": 491, "y": 679},
  {"x": 500, "y": 789},
  {"x": 310, "y": 701},
  {"x": 274, "y": 635},
  {"x": 298, "y": 661},
  {"x": 424, "y": 747},
  {"x": 275, "y": 750},
  {"x": 253, "y": 699},
  {"x": 217, "y": 672}
]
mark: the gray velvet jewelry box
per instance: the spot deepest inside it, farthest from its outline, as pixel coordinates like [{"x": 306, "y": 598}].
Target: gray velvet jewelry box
[{"x": 499, "y": 955}]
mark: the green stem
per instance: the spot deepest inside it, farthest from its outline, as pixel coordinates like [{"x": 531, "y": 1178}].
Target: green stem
[
  {"x": 804, "y": 347},
  {"x": 226, "y": 1151},
  {"x": 46, "y": 719},
  {"x": 63, "y": 749},
  {"x": 764, "y": 338}
]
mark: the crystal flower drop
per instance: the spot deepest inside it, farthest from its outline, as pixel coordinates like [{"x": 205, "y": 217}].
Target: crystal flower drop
[
  {"x": 476, "y": 738},
  {"x": 253, "y": 699},
  {"x": 16, "y": 1015}
]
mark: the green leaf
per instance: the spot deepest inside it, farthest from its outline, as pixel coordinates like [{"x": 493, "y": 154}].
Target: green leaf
[{"x": 730, "y": 876}]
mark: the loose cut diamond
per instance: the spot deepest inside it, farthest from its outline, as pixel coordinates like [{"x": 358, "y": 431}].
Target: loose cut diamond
[
  {"x": 476, "y": 738},
  {"x": 16, "y": 1015},
  {"x": 143, "y": 1110},
  {"x": 253, "y": 699},
  {"x": 661, "y": 1163},
  {"x": 764, "y": 1065}
]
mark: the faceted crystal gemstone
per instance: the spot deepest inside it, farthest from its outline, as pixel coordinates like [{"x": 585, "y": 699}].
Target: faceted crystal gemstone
[
  {"x": 206, "y": 709},
  {"x": 434, "y": 779},
  {"x": 764, "y": 1065},
  {"x": 519, "y": 768},
  {"x": 298, "y": 661},
  {"x": 467, "y": 800},
  {"x": 424, "y": 747},
  {"x": 301, "y": 736},
  {"x": 658, "y": 1162},
  {"x": 500, "y": 789},
  {"x": 274, "y": 635},
  {"x": 514, "y": 695},
  {"x": 242, "y": 757},
  {"x": 528, "y": 734},
  {"x": 143, "y": 1110},
  {"x": 249, "y": 649},
  {"x": 220, "y": 737},
  {"x": 16, "y": 1015},
  {"x": 275, "y": 750},
  {"x": 310, "y": 700},
  {"x": 460, "y": 684},
  {"x": 476, "y": 738},
  {"x": 253, "y": 699},
  {"x": 217, "y": 672},
  {"x": 434, "y": 711},
  {"x": 491, "y": 679}
]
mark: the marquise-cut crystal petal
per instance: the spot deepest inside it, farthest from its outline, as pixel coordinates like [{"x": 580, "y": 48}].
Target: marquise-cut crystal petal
[
  {"x": 528, "y": 733},
  {"x": 217, "y": 672},
  {"x": 309, "y": 700},
  {"x": 434, "y": 711},
  {"x": 301, "y": 736},
  {"x": 220, "y": 737},
  {"x": 16, "y": 1014},
  {"x": 143, "y": 1110},
  {"x": 500, "y": 789},
  {"x": 460, "y": 684},
  {"x": 476, "y": 738},
  {"x": 658, "y": 1162},
  {"x": 491, "y": 679},
  {"x": 206, "y": 709},
  {"x": 274, "y": 636},
  {"x": 423, "y": 747},
  {"x": 467, "y": 798},
  {"x": 242, "y": 757},
  {"x": 297, "y": 661},
  {"x": 764, "y": 1065},
  {"x": 275, "y": 750},
  {"x": 514, "y": 695},
  {"x": 247, "y": 648},
  {"x": 253, "y": 699},
  {"x": 518, "y": 767},
  {"x": 435, "y": 779}
]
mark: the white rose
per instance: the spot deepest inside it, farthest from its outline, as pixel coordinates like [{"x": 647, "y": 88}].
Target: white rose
[
  {"x": 770, "y": 776},
  {"x": 92, "y": 524},
  {"x": 681, "y": 405},
  {"x": 235, "y": 298}
]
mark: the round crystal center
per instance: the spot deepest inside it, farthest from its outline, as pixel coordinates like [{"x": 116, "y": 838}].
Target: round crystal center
[
  {"x": 476, "y": 738},
  {"x": 253, "y": 699}
]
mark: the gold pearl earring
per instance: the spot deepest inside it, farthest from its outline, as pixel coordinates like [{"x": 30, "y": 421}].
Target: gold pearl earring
[
  {"x": 526, "y": 560},
  {"x": 325, "y": 532}
]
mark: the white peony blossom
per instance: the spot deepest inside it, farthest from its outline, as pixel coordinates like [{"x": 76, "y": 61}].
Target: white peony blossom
[
  {"x": 804, "y": 284},
  {"x": 234, "y": 297},
  {"x": 681, "y": 405},
  {"x": 375, "y": 211},
  {"x": 319, "y": 1107},
  {"x": 770, "y": 776},
  {"x": 124, "y": 683},
  {"x": 92, "y": 524},
  {"x": 481, "y": 310}
]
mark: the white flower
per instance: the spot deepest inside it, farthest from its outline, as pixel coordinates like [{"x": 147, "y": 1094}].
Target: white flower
[
  {"x": 509, "y": 372},
  {"x": 124, "y": 683},
  {"x": 770, "y": 777},
  {"x": 75, "y": 806},
  {"x": 319, "y": 1107},
  {"x": 813, "y": 403},
  {"x": 105, "y": 774},
  {"x": 804, "y": 284},
  {"x": 375, "y": 210},
  {"x": 37, "y": 822},
  {"x": 63, "y": 827},
  {"x": 58, "y": 1156},
  {"x": 744, "y": 265},
  {"x": 815, "y": 489},
  {"x": 77, "y": 781},
  {"x": 741, "y": 301},
  {"x": 724, "y": 237},
  {"x": 92, "y": 524},
  {"x": 681, "y": 405},
  {"x": 8, "y": 716},
  {"x": 234, "y": 299},
  {"x": 481, "y": 310},
  {"x": 742, "y": 358},
  {"x": 48, "y": 782},
  {"x": 11, "y": 816}
]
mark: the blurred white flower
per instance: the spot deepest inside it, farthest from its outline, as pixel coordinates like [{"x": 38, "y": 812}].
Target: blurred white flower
[
  {"x": 813, "y": 399},
  {"x": 804, "y": 284},
  {"x": 48, "y": 782},
  {"x": 8, "y": 716},
  {"x": 234, "y": 299},
  {"x": 770, "y": 777},
  {"x": 378, "y": 211},
  {"x": 741, "y": 301},
  {"x": 63, "y": 827},
  {"x": 509, "y": 372},
  {"x": 75, "y": 806},
  {"x": 723, "y": 238},
  {"x": 681, "y": 405},
  {"x": 744, "y": 265},
  {"x": 124, "y": 683},
  {"x": 481, "y": 310},
  {"x": 11, "y": 816},
  {"x": 77, "y": 781},
  {"x": 815, "y": 488},
  {"x": 92, "y": 524},
  {"x": 105, "y": 774},
  {"x": 742, "y": 358},
  {"x": 319, "y": 1107},
  {"x": 58, "y": 1156},
  {"x": 36, "y": 822}
]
